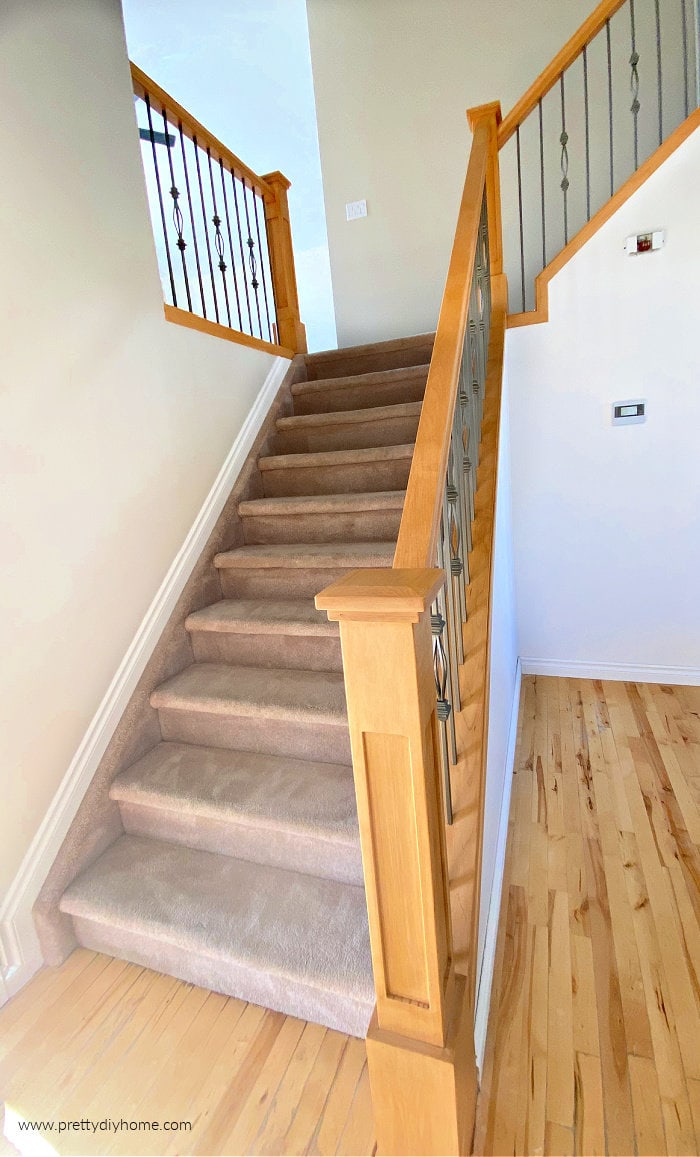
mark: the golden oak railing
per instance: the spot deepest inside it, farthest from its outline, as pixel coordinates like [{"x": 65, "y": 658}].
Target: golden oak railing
[
  {"x": 222, "y": 232},
  {"x": 420, "y": 1044}
]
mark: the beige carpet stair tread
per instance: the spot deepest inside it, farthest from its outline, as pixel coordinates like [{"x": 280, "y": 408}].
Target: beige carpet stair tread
[
  {"x": 308, "y": 555},
  {"x": 265, "y": 791},
  {"x": 351, "y": 381},
  {"x": 270, "y": 693},
  {"x": 262, "y": 617},
  {"x": 324, "y": 503},
  {"x": 364, "y": 456},
  {"x": 274, "y": 937},
  {"x": 350, "y": 417}
]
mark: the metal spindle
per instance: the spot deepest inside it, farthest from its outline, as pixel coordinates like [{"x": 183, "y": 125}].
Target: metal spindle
[
  {"x": 444, "y": 709},
  {"x": 564, "y": 141},
  {"x": 251, "y": 257},
  {"x": 610, "y": 106},
  {"x": 206, "y": 230},
  {"x": 230, "y": 244},
  {"x": 160, "y": 196},
  {"x": 544, "y": 228},
  {"x": 520, "y": 215},
  {"x": 262, "y": 265},
  {"x": 243, "y": 261},
  {"x": 684, "y": 19},
  {"x": 194, "y": 231},
  {"x": 178, "y": 220},
  {"x": 218, "y": 237},
  {"x": 634, "y": 84},
  {"x": 587, "y": 135},
  {"x": 444, "y": 605},
  {"x": 659, "y": 70}
]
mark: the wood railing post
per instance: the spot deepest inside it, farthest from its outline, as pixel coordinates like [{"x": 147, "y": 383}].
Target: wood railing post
[
  {"x": 491, "y": 113},
  {"x": 420, "y": 1045},
  {"x": 292, "y": 333}
]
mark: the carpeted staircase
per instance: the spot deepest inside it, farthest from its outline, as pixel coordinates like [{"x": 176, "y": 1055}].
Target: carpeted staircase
[{"x": 240, "y": 866}]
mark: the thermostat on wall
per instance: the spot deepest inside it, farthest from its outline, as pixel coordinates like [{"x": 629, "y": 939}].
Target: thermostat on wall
[{"x": 629, "y": 413}]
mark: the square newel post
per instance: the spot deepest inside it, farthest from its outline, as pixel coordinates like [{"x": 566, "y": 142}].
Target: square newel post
[
  {"x": 291, "y": 332},
  {"x": 420, "y": 1045}
]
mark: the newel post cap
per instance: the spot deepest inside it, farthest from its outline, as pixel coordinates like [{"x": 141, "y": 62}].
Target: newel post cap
[
  {"x": 480, "y": 111},
  {"x": 376, "y": 594}
]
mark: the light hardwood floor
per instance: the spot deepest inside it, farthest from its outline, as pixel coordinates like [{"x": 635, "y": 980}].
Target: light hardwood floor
[{"x": 594, "y": 1037}]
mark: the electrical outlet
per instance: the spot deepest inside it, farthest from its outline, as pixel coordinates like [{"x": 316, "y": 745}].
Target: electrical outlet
[{"x": 355, "y": 209}]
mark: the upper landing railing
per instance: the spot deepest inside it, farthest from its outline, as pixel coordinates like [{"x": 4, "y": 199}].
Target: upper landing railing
[
  {"x": 621, "y": 89},
  {"x": 222, "y": 232}
]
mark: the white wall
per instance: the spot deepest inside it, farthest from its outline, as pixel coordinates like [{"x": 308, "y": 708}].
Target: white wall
[
  {"x": 393, "y": 79},
  {"x": 606, "y": 520},
  {"x": 113, "y": 423}
]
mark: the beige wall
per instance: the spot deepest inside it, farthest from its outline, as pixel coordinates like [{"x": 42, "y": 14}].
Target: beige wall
[
  {"x": 113, "y": 423},
  {"x": 393, "y": 79}
]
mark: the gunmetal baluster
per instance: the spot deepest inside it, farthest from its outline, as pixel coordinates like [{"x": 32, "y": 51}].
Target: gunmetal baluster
[
  {"x": 564, "y": 141},
  {"x": 194, "y": 231},
  {"x": 457, "y": 457},
  {"x": 520, "y": 217},
  {"x": 230, "y": 245},
  {"x": 610, "y": 106},
  {"x": 444, "y": 710},
  {"x": 544, "y": 227},
  {"x": 684, "y": 18},
  {"x": 243, "y": 261},
  {"x": 147, "y": 102},
  {"x": 218, "y": 237},
  {"x": 206, "y": 230},
  {"x": 659, "y": 70},
  {"x": 587, "y": 134},
  {"x": 450, "y": 615},
  {"x": 251, "y": 257},
  {"x": 262, "y": 266},
  {"x": 178, "y": 220},
  {"x": 634, "y": 84}
]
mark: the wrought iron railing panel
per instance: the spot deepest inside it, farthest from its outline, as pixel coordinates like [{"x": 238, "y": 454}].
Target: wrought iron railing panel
[
  {"x": 629, "y": 87},
  {"x": 209, "y": 226},
  {"x": 455, "y": 540}
]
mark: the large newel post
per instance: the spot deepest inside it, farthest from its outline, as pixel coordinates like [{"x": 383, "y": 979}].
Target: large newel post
[
  {"x": 420, "y": 1045},
  {"x": 292, "y": 333}
]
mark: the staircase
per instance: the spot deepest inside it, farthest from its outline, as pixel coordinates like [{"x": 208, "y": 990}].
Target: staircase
[{"x": 239, "y": 868}]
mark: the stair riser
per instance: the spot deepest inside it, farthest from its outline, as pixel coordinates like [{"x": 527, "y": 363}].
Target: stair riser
[
  {"x": 278, "y": 583},
  {"x": 355, "y": 478},
  {"x": 347, "y": 436},
  {"x": 369, "y": 361},
  {"x": 299, "y": 652},
  {"x": 294, "y": 851},
  {"x": 294, "y": 997},
  {"x": 360, "y": 526},
  {"x": 323, "y": 742},
  {"x": 331, "y": 401}
]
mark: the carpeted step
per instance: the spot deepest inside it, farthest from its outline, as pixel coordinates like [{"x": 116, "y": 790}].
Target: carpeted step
[
  {"x": 359, "y": 359},
  {"x": 288, "y": 813},
  {"x": 266, "y": 633},
  {"x": 336, "y": 471},
  {"x": 287, "y": 941},
  {"x": 360, "y": 391},
  {"x": 323, "y": 517},
  {"x": 295, "y": 571},
  {"x": 348, "y": 429},
  {"x": 263, "y": 709}
]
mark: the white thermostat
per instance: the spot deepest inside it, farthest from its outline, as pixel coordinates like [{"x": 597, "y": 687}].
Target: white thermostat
[
  {"x": 629, "y": 413},
  {"x": 645, "y": 242}
]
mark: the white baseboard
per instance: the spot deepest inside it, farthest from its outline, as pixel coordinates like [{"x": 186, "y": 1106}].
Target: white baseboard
[
  {"x": 20, "y": 955},
  {"x": 483, "y": 996},
  {"x": 627, "y": 672}
]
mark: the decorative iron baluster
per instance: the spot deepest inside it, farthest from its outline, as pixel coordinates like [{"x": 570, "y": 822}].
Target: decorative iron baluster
[
  {"x": 218, "y": 237},
  {"x": 634, "y": 84},
  {"x": 684, "y": 18},
  {"x": 466, "y": 486},
  {"x": 542, "y": 202},
  {"x": 659, "y": 70},
  {"x": 206, "y": 230},
  {"x": 520, "y": 217},
  {"x": 242, "y": 251},
  {"x": 449, "y": 613},
  {"x": 444, "y": 709},
  {"x": 251, "y": 257},
  {"x": 194, "y": 231},
  {"x": 587, "y": 133},
  {"x": 178, "y": 220},
  {"x": 230, "y": 243},
  {"x": 262, "y": 265},
  {"x": 564, "y": 141},
  {"x": 608, "y": 44},
  {"x": 454, "y": 515},
  {"x": 147, "y": 102}
]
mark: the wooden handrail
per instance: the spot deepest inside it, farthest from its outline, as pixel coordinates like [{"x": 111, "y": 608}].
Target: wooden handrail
[
  {"x": 550, "y": 75},
  {"x": 420, "y": 523},
  {"x": 192, "y": 128}
]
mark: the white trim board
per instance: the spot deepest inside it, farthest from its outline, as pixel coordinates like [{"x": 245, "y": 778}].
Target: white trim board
[
  {"x": 488, "y": 961},
  {"x": 625, "y": 672},
  {"x": 20, "y": 955}
]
